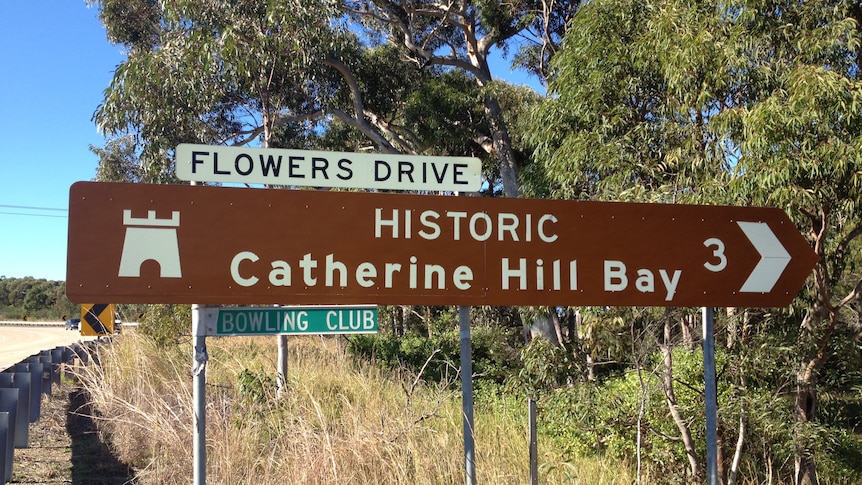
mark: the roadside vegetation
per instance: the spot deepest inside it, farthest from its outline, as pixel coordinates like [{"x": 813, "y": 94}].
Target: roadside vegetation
[
  {"x": 386, "y": 408},
  {"x": 35, "y": 299},
  {"x": 341, "y": 419}
]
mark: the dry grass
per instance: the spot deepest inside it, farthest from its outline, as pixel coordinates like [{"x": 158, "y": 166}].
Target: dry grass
[{"x": 340, "y": 421}]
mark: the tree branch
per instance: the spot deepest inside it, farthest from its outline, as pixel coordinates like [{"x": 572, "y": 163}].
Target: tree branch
[
  {"x": 853, "y": 295},
  {"x": 841, "y": 250},
  {"x": 358, "y": 120},
  {"x": 250, "y": 135}
]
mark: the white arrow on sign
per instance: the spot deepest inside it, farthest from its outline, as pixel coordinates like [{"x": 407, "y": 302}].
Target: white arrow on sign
[{"x": 773, "y": 257}]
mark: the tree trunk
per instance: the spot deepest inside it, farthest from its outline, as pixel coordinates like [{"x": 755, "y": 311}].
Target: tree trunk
[
  {"x": 558, "y": 327},
  {"x": 573, "y": 325},
  {"x": 740, "y": 440},
  {"x": 813, "y": 342},
  {"x": 667, "y": 387},
  {"x": 689, "y": 323},
  {"x": 429, "y": 322},
  {"x": 405, "y": 318},
  {"x": 501, "y": 141},
  {"x": 281, "y": 340},
  {"x": 719, "y": 445},
  {"x": 806, "y": 406},
  {"x": 397, "y": 319},
  {"x": 509, "y": 170},
  {"x": 732, "y": 327}
]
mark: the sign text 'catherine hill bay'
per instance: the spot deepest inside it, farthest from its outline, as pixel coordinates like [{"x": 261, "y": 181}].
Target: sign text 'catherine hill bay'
[
  {"x": 135, "y": 243},
  {"x": 277, "y": 166}
]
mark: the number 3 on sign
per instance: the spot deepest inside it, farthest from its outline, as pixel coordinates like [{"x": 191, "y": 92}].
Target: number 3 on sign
[{"x": 718, "y": 253}]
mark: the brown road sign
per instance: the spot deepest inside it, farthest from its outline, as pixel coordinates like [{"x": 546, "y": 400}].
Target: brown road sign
[{"x": 135, "y": 243}]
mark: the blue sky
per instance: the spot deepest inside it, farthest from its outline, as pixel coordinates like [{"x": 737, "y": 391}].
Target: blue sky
[{"x": 56, "y": 63}]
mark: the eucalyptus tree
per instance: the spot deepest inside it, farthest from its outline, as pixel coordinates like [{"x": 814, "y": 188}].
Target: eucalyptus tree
[
  {"x": 238, "y": 72},
  {"x": 751, "y": 102},
  {"x": 119, "y": 161},
  {"x": 629, "y": 117},
  {"x": 800, "y": 142},
  {"x": 629, "y": 107},
  {"x": 460, "y": 34},
  {"x": 215, "y": 72}
]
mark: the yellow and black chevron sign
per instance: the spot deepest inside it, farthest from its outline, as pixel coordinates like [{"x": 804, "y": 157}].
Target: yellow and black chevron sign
[{"x": 97, "y": 319}]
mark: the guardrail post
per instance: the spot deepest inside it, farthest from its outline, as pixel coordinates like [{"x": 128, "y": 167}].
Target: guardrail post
[
  {"x": 4, "y": 447},
  {"x": 68, "y": 353},
  {"x": 47, "y": 370},
  {"x": 35, "y": 371},
  {"x": 8, "y": 407},
  {"x": 20, "y": 381},
  {"x": 92, "y": 352},
  {"x": 80, "y": 352},
  {"x": 57, "y": 360}
]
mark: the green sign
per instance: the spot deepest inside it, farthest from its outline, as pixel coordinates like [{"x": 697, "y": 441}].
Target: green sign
[{"x": 290, "y": 320}]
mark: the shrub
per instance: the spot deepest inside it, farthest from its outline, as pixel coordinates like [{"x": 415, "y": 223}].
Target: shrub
[{"x": 438, "y": 357}]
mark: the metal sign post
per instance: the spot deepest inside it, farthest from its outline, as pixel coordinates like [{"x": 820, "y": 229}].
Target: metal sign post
[
  {"x": 710, "y": 396},
  {"x": 199, "y": 397},
  {"x": 467, "y": 395}
]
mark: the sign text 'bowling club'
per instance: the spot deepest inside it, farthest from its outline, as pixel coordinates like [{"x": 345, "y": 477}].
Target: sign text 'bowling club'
[{"x": 216, "y": 245}]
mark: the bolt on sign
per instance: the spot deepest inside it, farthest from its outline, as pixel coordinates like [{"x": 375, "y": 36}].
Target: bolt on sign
[
  {"x": 304, "y": 168},
  {"x": 289, "y": 320},
  {"x": 97, "y": 319},
  {"x": 218, "y": 245}
]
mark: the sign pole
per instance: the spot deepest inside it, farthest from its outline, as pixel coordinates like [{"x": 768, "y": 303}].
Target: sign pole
[
  {"x": 710, "y": 396},
  {"x": 534, "y": 442},
  {"x": 199, "y": 395},
  {"x": 281, "y": 376},
  {"x": 467, "y": 395},
  {"x": 199, "y": 374}
]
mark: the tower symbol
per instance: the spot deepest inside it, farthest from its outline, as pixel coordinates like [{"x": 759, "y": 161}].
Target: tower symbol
[{"x": 154, "y": 239}]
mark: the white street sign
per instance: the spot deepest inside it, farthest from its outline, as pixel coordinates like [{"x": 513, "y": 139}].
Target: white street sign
[{"x": 276, "y": 166}]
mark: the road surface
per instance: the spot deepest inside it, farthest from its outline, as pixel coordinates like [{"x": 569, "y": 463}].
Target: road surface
[{"x": 19, "y": 342}]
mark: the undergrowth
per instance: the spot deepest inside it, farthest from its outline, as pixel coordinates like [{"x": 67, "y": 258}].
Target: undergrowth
[{"x": 340, "y": 420}]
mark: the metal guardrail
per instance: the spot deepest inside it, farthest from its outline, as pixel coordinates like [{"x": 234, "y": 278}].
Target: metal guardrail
[
  {"x": 19, "y": 323},
  {"x": 22, "y": 386}
]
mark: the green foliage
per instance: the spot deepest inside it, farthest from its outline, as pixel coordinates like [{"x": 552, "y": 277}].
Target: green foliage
[
  {"x": 438, "y": 357},
  {"x": 753, "y": 102},
  {"x": 166, "y": 325},
  {"x": 628, "y": 117},
  {"x": 118, "y": 161},
  {"x": 546, "y": 367},
  {"x": 35, "y": 299},
  {"x": 256, "y": 388},
  {"x": 207, "y": 73},
  {"x": 131, "y": 22},
  {"x": 602, "y": 418},
  {"x": 410, "y": 353}
]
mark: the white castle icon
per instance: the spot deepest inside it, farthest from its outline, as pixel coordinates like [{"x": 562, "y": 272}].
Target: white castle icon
[{"x": 155, "y": 239}]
